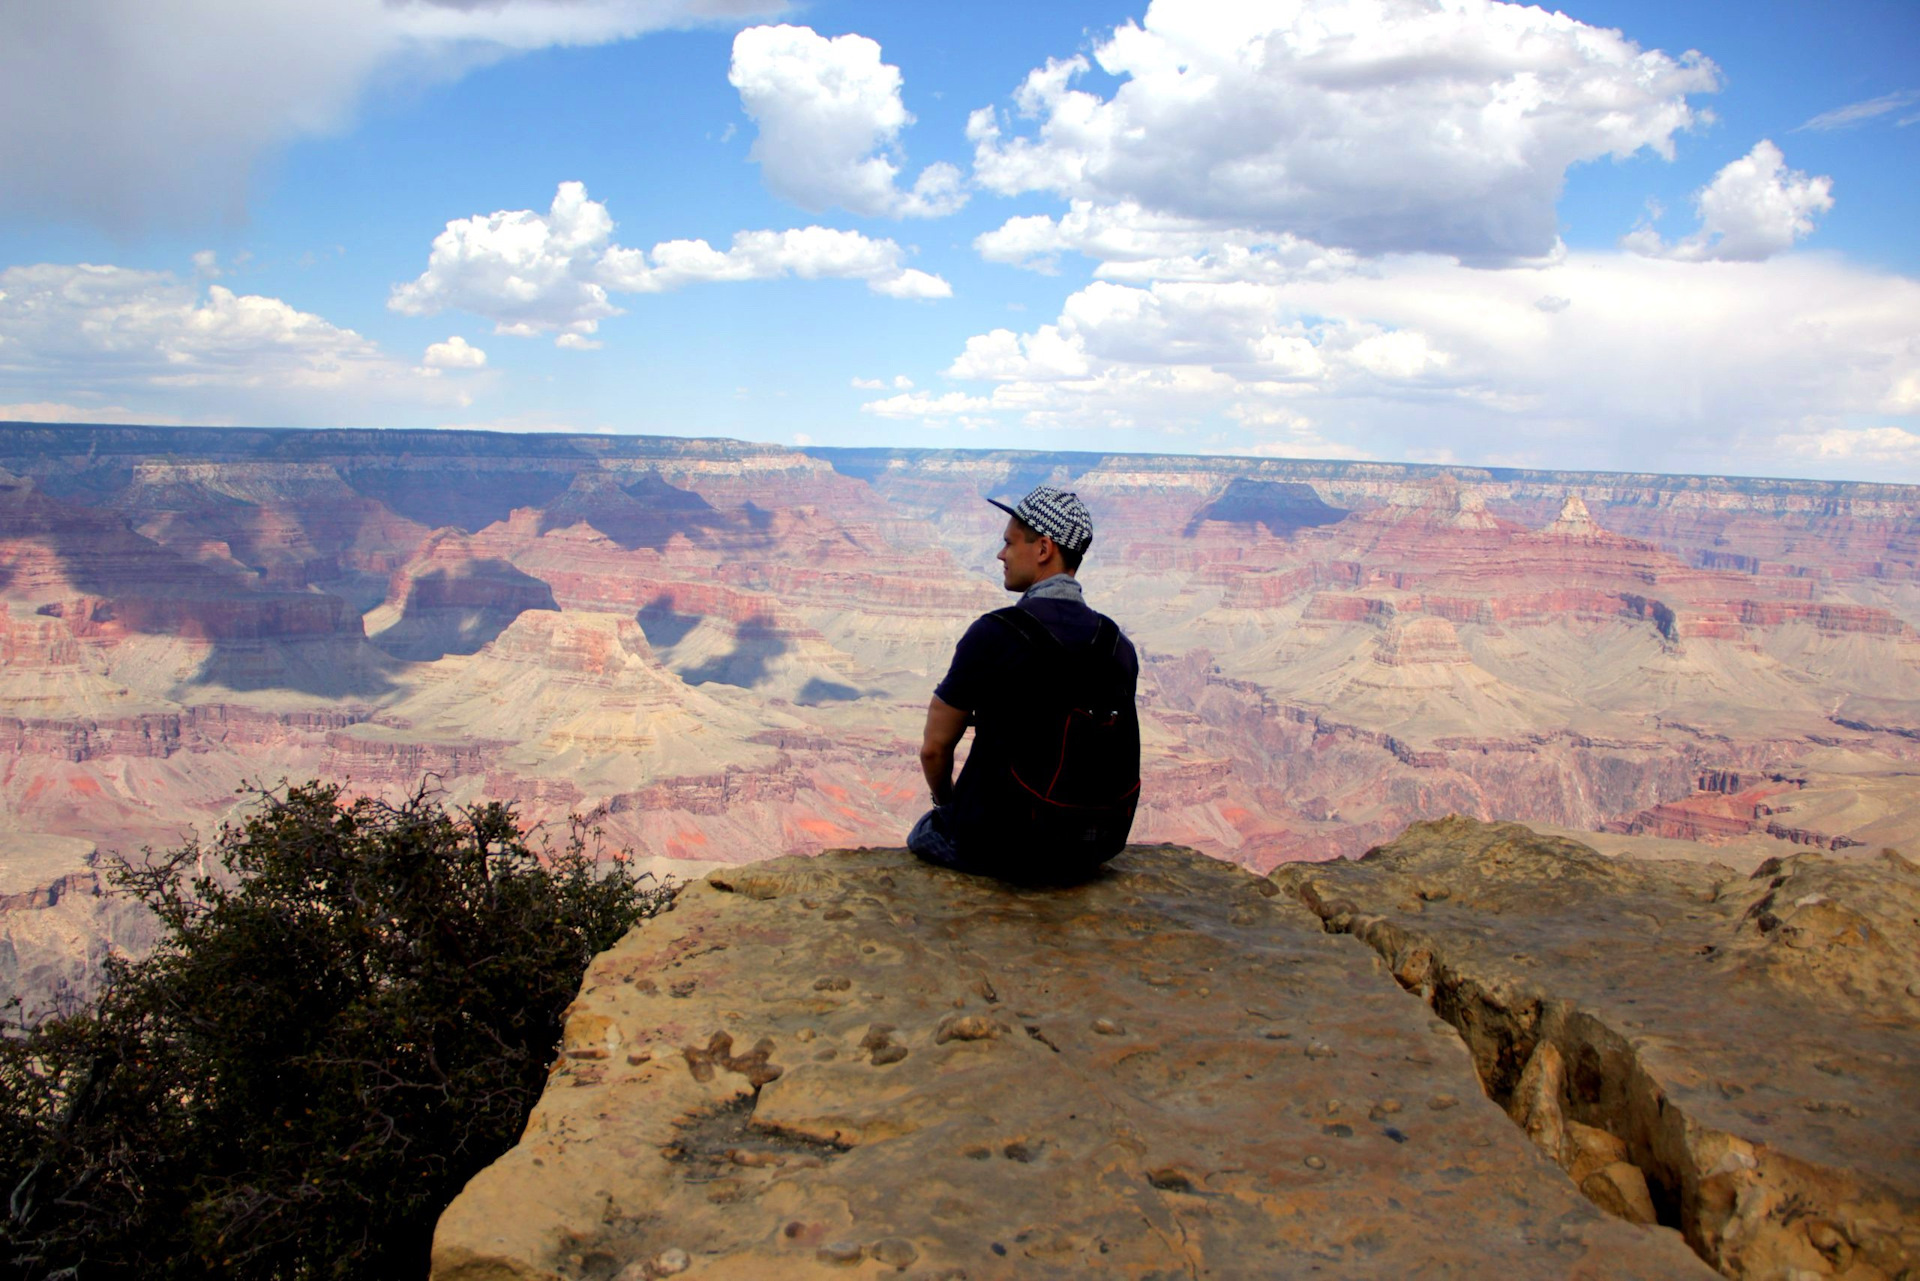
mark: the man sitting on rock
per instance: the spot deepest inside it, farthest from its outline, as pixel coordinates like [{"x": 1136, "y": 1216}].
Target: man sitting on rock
[{"x": 1049, "y": 788}]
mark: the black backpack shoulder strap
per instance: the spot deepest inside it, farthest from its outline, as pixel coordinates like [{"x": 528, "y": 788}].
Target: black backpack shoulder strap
[
  {"x": 1107, "y": 639},
  {"x": 1028, "y": 628}
]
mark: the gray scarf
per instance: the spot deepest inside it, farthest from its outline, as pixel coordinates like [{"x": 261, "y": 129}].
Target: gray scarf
[{"x": 1059, "y": 587}]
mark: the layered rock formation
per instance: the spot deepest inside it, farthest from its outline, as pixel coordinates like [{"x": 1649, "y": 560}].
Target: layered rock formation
[
  {"x": 725, "y": 649},
  {"x": 859, "y": 1065}
]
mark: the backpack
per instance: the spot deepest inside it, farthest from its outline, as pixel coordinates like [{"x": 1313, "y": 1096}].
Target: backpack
[{"x": 1061, "y": 796}]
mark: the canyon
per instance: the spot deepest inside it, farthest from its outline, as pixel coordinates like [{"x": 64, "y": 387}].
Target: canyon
[{"x": 721, "y": 652}]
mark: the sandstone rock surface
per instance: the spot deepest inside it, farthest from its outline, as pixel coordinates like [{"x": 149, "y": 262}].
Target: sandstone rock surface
[
  {"x": 1737, "y": 1055},
  {"x": 857, "y": 1065}
]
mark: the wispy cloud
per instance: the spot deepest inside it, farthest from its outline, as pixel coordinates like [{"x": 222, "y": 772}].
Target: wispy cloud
[{"x": 1857, "y": 113}]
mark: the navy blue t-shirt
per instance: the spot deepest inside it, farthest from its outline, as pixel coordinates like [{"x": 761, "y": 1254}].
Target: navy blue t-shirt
[
  {"x": 998, "y": 677},
  {"x": 991, "y": 662}
]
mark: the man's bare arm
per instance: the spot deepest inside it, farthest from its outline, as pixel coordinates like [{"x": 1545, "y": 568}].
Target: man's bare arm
[{"x": 945, "y": 725}]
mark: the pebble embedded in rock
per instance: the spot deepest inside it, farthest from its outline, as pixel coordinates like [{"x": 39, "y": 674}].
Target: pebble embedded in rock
[
  {"x": 755, "y": 1160},
  {"x": 670, "y": 1262},
  {"x": 1441, "y": 1102},
  {"x": 1108, "y": 1027},
  {"x": 832, "y": 983},
  {"x": 1315, "y": 1163},
  {"x": 967, "y": 1027},
  {"x": 889, "y": 1054},
  {"x": 844, "y": 1253},
  {"x": 1320, "y": 1050},
  {"x": 897, "y": 1252},
  {"x": 1385, "y": 1107}
]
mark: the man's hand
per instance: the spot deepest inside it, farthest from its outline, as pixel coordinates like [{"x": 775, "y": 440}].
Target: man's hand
[{"x": 945, "y": 725}]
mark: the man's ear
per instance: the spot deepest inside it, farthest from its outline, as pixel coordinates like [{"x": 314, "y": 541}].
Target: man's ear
[{"x": 1049, "y": 551}]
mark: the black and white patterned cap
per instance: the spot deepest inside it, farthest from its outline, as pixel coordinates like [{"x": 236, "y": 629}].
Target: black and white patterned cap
[{"x": 1056, "y": 513}]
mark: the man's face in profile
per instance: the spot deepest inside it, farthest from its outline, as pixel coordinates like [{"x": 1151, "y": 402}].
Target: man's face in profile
[{"x": 1020, "y": 558}]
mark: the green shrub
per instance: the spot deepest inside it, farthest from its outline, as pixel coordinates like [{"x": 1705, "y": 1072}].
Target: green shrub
[{"x": 351, "y": 1011}]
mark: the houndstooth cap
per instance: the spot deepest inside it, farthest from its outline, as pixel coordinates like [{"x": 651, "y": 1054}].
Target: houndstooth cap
[{"x": 1056, "y": 513}]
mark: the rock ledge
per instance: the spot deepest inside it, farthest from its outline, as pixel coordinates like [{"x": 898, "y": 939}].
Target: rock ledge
[{"x": 856, "y": 1065}]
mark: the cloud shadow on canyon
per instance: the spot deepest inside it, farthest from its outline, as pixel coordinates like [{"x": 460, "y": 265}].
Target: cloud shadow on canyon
[
  {"x": 817, "y": 692},
  {"x": 645, "y": 513},
  {"x": 662, "y": 625},
  {"x": 1282, "y": 506},
  {"x": 473, "y": 502},
  {"x": 119, "y": 580},
  {"x": 447, "y": 613},
  {"x": 756, "y": 645},
  {"x": 313, "y": 667}
]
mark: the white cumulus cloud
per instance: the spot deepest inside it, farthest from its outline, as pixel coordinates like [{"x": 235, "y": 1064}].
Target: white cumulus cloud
[
  {"x": 455, "y": 353},
  {"x": 52, "y": 411},
  {"x": 1631, "y": 363},
  {"x": 1135, "y": 244},
  {"x": 527, "y": 272},
  {"x": 162, "y": 347},
  {"x": 810, "y": 253},
  {"x": 1754, "y": 208},
  {"x": 125, "y": 113},
  {"x": 830, "y": 117},
  {"x": 1864, "y": 445},
  {"x": 1370, "y": 125},
  {"x": 533, "y": 273},
  {"x": 920, "y": 404}
]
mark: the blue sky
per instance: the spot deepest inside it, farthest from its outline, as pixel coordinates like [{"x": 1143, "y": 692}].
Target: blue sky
[{"x": 1454, "y": 231}]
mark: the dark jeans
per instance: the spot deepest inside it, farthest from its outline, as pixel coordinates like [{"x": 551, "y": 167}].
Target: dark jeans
[{"x": 931, "y": 841}]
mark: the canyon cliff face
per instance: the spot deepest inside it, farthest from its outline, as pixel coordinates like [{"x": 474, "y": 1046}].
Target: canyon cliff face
[
  {"x": 723, "y": 651},
  {"x": 1477, "y": 1051}
]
